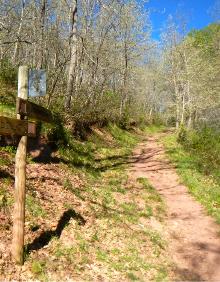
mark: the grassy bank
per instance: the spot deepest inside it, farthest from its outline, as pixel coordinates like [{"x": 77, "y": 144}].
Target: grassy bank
[
  {"x": 197, "y": 173},
  {"x": 7, "y": 110},
  {"x": 85, "y": 219},
  {"x": 204, "y": 145}
]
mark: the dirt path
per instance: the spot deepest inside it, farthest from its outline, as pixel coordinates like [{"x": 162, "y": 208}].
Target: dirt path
[{"x": 194, "y": 240}]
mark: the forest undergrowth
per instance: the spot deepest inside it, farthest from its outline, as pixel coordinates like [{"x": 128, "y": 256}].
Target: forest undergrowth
[
  {"x": 196, "y": 158},
  {"x": 84, "y": 219}
]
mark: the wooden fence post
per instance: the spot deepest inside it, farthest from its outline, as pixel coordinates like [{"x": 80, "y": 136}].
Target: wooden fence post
[{"x": 20, "y": 179}]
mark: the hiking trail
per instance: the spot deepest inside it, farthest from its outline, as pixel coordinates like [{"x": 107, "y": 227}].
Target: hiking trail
[{"x": 194, "y": 243}]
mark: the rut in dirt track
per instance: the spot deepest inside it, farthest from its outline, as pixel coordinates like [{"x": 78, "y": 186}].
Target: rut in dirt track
[{"x": 193, "y": 236}]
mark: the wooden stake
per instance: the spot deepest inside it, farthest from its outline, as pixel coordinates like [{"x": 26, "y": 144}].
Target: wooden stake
[{"x": 20, "y": 179}]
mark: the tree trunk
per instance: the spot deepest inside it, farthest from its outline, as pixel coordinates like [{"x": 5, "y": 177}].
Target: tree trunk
[
  {"x": 73, "y": 55},
  {"x": 124, "y": 89},
  {"x": 16, "y": 50},
  {"x": 183, "y": 110},
  {"x": 42, "y": 22}
]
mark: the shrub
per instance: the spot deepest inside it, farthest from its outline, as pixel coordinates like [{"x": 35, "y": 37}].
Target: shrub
[
  {"x": 182, "y": 136},
  {"x": 204, "y": 144},
  {"x": 8, "y": 73}
]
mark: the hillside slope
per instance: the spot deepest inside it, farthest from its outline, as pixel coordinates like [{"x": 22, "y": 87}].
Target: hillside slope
[{"x": 85, "y": 220}]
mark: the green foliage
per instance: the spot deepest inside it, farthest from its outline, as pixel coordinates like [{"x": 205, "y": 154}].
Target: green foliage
[
  {"x": 38, "y": 268},
  {"x": 9, "y": 149},
  {"x": 204, "y": 144},
  {"x": 156, "y": 239},
  {"x": 56, "y": 132},
  {"x": 123, "y": 137},
  {"x": 171, "y": 121},
  {"x": 7, "y": 110},
  {"x": 33, "y": 207},
  {"x": 182, "y": 135},
  {"x": 131, "y": 276},
  {"x": 157, "y": 120},
  {"x": 3, "y": 201},
  {"x": 8, "y": 82},
  {"x": 190, "y": 166},
  {"x": 205, "y": 38},
  {"x": 151, "y": 129},
  {"x": 8, "y": 73},
  {"x": 124, "y": 121},
  {"x": 152, "y": 197}
]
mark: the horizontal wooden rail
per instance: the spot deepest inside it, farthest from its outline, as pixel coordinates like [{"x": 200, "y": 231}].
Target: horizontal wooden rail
[
  {"x": 11, "y": 126},
  {"x": 33, "y": 111}
]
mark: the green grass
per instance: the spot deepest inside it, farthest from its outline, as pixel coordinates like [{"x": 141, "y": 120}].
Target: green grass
[
  {"x": 117, "y": 242},
  {"x": 124, "y": 138},
  {"x": 152, "y": 196},
  {"x": 204, "y": 145},
  {"x": 6, "y": 198},
  {"x": 152, "y": 129},
  {"x": 96, "y": 154},
  {"x": 9, "y": 149},
  {"x": 33, "y": 207},
  {"x": 205, "y": 188},
  {"x": 7, "y": 110},
  {"x": 38, "y": 268}
]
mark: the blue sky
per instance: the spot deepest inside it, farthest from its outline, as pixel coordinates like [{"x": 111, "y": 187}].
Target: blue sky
[{"x": 196, "y": 12}]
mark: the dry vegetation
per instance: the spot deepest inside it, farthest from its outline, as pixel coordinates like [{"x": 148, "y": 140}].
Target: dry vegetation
[{"x": 85, "y": 220}]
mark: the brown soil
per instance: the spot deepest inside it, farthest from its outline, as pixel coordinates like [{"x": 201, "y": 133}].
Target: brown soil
[
  {"x": 194, "y": 240},
  {"x": 69, "y": 218}
]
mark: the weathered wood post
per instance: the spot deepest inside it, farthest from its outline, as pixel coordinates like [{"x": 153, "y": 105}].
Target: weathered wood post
[{"x": 20, "y": 178}]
